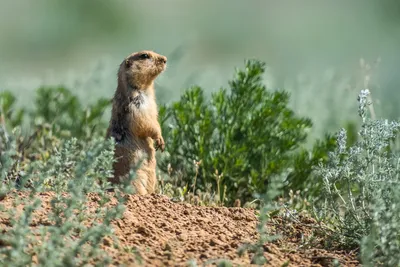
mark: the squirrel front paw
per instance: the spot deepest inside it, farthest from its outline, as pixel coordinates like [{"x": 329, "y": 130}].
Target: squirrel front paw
[{"x": 160, "y": 144}]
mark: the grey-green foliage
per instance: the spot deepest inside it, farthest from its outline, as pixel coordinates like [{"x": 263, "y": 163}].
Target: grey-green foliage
[
  {"x": 361, "y": 184},
  {"x": 76, "y": 177},
  {"x": 381, "y": 247},
  {"x": 8, "y": 151},
  {"x": 268, "y": 206}
]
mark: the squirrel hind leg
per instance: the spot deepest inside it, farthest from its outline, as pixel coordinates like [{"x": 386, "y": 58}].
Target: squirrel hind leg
[{"x": 140, "y": 182}]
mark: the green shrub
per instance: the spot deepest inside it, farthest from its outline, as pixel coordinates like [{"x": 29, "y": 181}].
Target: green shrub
[
  {"x": 361, "y": 183},
  {"x": 59, "y": 110},
  {"x": 64, "y": 112},
  {"x": 56, "y": 115},
  {"x": 8, "y": 112},
  {"x": 302, "y": 177},
  {"x": 241, "y": 137}
]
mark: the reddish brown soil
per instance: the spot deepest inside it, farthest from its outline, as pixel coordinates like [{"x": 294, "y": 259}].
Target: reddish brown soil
[{"x": 165, "y": 233}]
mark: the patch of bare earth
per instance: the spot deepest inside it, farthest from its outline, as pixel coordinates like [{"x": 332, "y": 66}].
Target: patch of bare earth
[{"x": 164, "y": 233}]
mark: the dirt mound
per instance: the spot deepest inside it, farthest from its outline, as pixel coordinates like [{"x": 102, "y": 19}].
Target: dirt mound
[{"x": 164, "y": 233}]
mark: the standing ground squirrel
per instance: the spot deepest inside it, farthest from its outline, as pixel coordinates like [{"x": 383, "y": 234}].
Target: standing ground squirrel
[{"x": 134, "y": 119}]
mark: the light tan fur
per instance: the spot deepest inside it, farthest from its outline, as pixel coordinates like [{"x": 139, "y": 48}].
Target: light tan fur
[{"x": 134, "y": 119}]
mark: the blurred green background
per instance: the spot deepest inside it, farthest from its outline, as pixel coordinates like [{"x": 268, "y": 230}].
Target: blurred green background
[{"x": 312, "y": 48}]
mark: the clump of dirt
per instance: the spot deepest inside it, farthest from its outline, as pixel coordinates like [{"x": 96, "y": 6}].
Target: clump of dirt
[{"x": 155, "y": 231}]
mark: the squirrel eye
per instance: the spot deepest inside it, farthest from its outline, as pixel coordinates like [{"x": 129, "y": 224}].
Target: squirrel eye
[{"x": 144, "y": 56}]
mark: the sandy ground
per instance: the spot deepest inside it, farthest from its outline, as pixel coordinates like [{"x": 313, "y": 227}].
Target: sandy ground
[{"x": 157, "y": 232}]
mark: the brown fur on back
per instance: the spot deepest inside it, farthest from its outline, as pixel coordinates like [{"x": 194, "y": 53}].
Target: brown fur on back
[{"x": 134, "y": 119}]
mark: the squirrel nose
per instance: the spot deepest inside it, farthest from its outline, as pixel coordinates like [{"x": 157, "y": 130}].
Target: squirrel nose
[{"x": 163, "y": 60}]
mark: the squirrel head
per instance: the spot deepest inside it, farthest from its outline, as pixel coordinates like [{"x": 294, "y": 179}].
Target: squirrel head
[{"x": 140, "y": 69}]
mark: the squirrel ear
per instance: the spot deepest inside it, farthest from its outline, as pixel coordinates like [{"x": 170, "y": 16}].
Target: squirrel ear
[{"x": 128, "y": 63}]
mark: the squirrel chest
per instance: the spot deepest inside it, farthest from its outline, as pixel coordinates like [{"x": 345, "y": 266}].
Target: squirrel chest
[{"x": 141, "y": 102}]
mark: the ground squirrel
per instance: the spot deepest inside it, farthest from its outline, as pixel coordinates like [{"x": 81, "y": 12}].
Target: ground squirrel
[{"x": 134, "y": 119}]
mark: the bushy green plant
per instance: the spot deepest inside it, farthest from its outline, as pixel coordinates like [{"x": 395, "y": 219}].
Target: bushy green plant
[
  {"x": 57, "y": 114},
  {"x": 64, "y": 112},
  {"x": 246, "y": 135},
  {"x": 9, "y": 114},
  {"x": 58, "y": 109},
  {"x": 302, "y": 176},
  {"x": 361, "y": 185}
]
